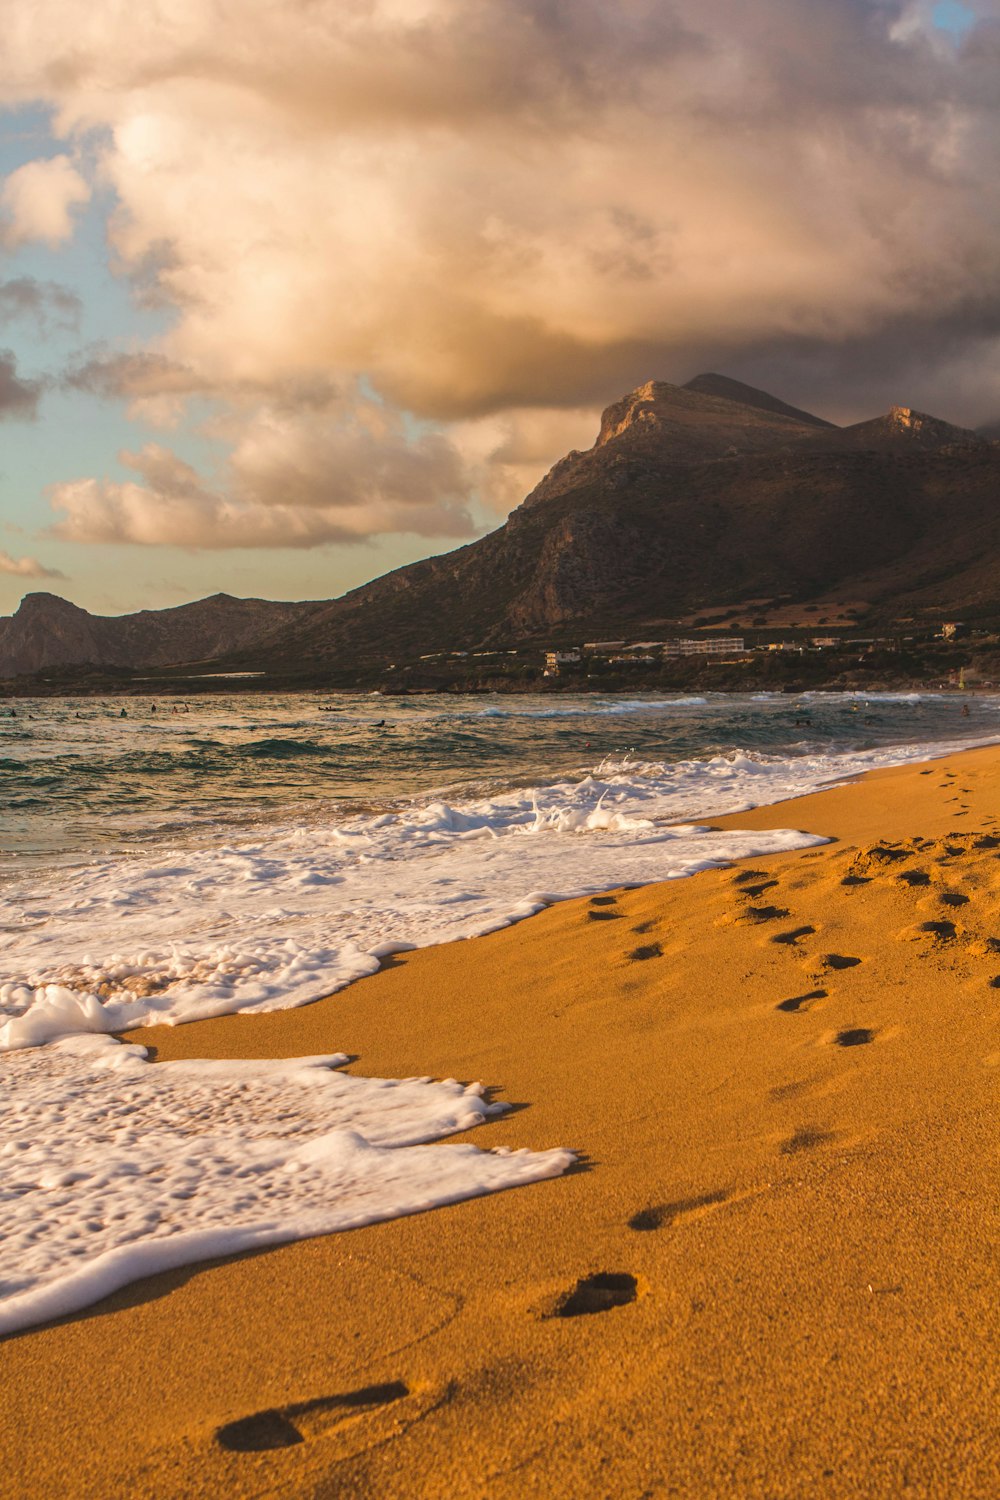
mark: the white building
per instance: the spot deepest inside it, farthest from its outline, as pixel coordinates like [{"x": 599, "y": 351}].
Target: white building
[
  {"x": 719, "y": 645},
  {"x": 556, "y": 659}
]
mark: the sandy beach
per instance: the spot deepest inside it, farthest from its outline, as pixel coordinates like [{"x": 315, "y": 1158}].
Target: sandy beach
[{"x": 772, "y": 1273}]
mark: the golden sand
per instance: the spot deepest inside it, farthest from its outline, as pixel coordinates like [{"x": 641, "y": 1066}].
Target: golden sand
[{"x": 781, "y": 1083}]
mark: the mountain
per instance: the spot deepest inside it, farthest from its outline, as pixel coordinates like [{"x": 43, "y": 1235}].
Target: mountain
[
  {"x": 902, "y": 430},
  {"x": 691, "y": 501},
  {"x": 47, "y": 631},
  {"x": 707, "y": 498},
  {"x": 748, "y": 395}
]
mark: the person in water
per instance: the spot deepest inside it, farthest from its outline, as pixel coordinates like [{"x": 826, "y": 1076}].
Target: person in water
[{"x": 123, "y": 714}]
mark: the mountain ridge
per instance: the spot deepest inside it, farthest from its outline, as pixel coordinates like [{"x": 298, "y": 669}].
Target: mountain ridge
[
  {"x": 48, "y": 631},
  {"x": 689, "y": 499}
]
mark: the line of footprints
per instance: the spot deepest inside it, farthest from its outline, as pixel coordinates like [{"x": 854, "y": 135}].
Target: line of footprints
[
  {"x": 752, "y": 886},
  {"x": 923, "y": 866},
  {"x": 920, "y": 865}
]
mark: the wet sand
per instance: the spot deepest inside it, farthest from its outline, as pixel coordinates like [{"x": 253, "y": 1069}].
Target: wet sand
[{"x": 781, "y": 1081}]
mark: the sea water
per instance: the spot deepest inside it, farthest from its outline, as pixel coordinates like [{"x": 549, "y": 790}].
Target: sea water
[{"x": 253, "y": 853}]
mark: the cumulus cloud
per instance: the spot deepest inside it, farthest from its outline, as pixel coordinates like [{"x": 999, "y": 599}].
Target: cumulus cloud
[
  {"x": 498, "y": 211},
  {"x": 38, "y": 199},
  {"x": 18, "y": 397},
  {"x": 26, "y": 567},
  {"x": 292, "y": 480}
]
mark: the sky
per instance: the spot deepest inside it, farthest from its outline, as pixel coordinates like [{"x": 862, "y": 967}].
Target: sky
[{"x": 293, "y": 292}]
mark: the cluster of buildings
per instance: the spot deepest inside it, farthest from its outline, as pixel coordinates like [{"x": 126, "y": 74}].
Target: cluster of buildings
[
  {"x": 724, "y": 647},
  {"x": 728, "y": 648}
]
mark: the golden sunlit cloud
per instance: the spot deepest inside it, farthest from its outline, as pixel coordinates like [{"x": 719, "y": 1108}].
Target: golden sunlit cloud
[
  {"x": 37, "y": 202},
  {"x": 498, "y": 214}
]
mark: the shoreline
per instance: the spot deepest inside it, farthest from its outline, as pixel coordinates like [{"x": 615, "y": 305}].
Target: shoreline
[
  {"x": 799, "y": 1307},
  {"x": 535, "y": 688}
]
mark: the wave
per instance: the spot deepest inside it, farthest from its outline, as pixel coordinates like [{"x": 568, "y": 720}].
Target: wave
[
  {"x": 284, "y": 916},
  {"x": 274, "y": 749},
  {"x": 598, "y": 709}
]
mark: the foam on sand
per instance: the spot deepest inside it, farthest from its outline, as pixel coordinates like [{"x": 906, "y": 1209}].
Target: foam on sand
[
  {"x": 129, "y": 940},
  {"x": 114, "y": 1169}
]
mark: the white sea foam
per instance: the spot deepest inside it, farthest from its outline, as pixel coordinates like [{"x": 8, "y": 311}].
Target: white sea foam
[
  {"x": 115, "y": 1169},
  {"x": 128, "y": 941}
]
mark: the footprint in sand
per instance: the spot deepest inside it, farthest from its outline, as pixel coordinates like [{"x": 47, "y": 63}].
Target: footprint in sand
[
  {"x": 754, "y": 892},
  {"x": 793, "y": 935},
  {"x": 915, "y": 877},
  {"x": 839, "y": 961},
  {"x": 954, "y": 898},
  {"x": 277, "y": 1428},
  {"x": 799, "y": 1004},
  {"x": 595, "y": 1294},
  {"x": 763, "y": 913},
  {"x": 604, "y": 916},
  {"x": 647, "y": 950},
  {"x": 662, "y": 1215},
  {"x": 854, "y": 1036},
  {"x": 942, "y": 932},
  {"x": 806, "y": 1138},
  {"x": 641, "y": 927}
]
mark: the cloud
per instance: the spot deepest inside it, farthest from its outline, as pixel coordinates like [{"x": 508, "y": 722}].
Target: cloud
[
  {"x": 495, "y": 212},
  {"x": 291, "y": 480},
  {"x": 45, "y": 303},
  {"x": 26, "y": 567},
  {"x": 37, "y": 202},
  {"x": 18, "y": 397}
]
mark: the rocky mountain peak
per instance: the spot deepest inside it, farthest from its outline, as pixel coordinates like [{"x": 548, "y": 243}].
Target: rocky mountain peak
[
  {"x": 643, "y": 406},
  {"x": 40, "y": 603},
  {"x": 904, "y": 427}
]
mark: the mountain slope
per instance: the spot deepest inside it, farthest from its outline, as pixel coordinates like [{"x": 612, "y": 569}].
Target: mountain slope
[
  {"x": 902, "y": 430},
  {"x": 661, "y": 518},
  {"x": 688, "y": 502},
  {"x": 47, "y": 631},
  {"x": 749, "y": 395}
]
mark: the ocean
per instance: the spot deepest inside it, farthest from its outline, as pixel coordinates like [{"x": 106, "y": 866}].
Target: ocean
[{"x": 248, "y": 853}]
